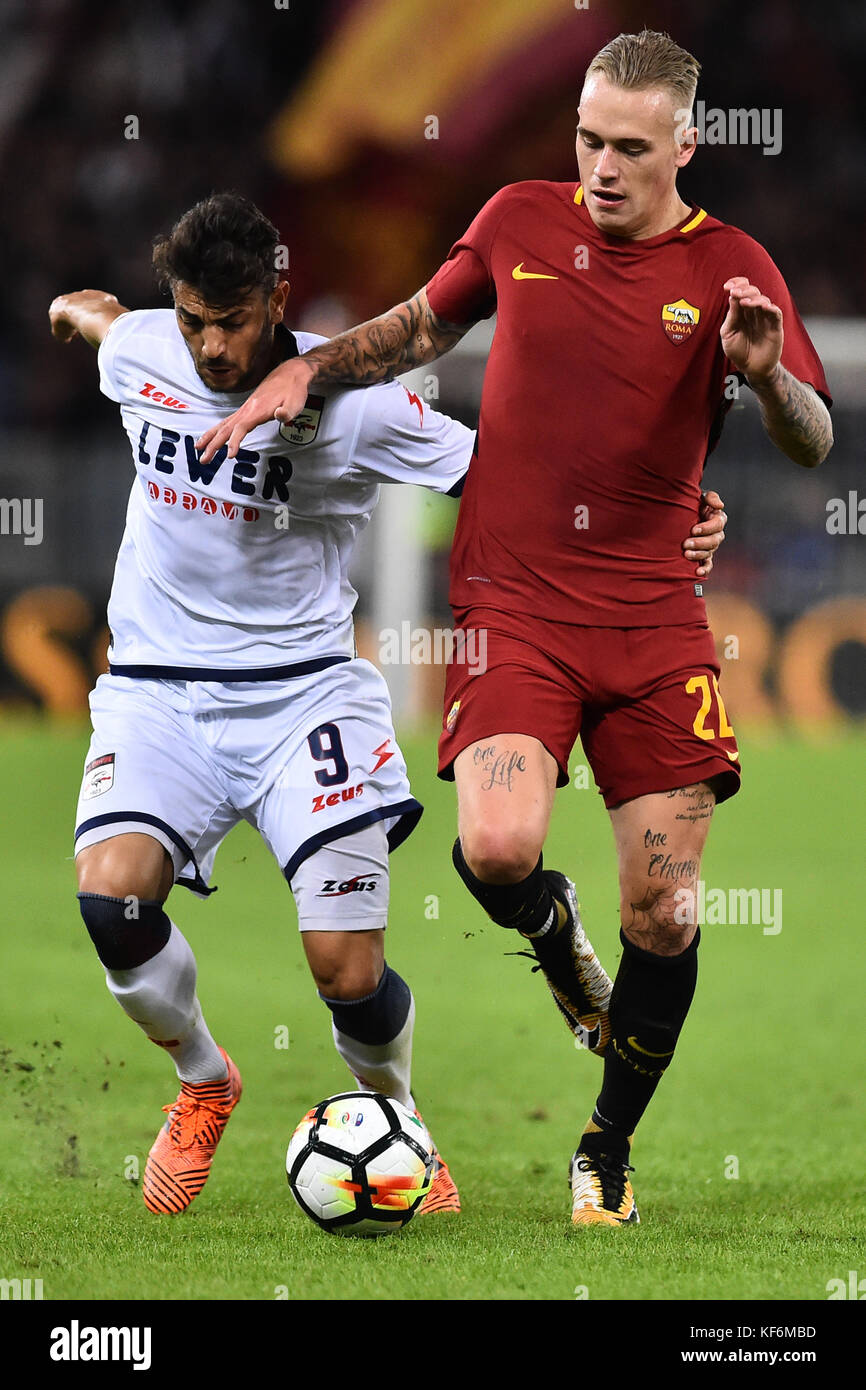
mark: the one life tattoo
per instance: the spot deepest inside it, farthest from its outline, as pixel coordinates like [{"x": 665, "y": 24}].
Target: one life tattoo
[{"x": 499, "y": 767}]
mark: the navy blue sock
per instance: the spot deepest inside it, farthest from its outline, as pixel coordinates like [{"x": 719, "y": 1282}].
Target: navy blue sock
[{"x": 377, "y": 1018}]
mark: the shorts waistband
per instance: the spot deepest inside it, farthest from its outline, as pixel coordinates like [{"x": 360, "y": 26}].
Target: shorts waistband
[{"x": 227, "y": 673}]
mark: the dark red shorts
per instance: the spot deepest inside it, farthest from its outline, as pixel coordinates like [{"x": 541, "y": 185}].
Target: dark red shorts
[{"x": 644, "y": 701}]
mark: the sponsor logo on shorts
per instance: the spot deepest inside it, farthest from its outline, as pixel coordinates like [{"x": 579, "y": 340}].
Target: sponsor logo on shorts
[
  {"x": 680, "y": 319},
  {"x": 98, "y": 777},
  {"x": 334, "y": 798},
  {"x": 361, "y": 883},
  {"x": 452, "y": 716},
  {"x": 383, "y": 753}
]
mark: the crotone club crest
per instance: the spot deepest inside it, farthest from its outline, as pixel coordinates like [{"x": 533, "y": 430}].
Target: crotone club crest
[{"x": 305, "y": 426}]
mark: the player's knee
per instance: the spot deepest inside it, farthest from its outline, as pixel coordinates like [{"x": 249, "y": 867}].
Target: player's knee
[
  {"x": 116, "y": 869},
  {"x": 497, "y": 854},
  {"x": 125, "y": 931},
  {"x": 347, "y": 980},
  {"x": 345, "y": 965},
  {"x": 659, "y": 917}
]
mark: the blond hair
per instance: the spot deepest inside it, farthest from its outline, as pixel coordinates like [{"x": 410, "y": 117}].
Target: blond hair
[{"x": 649, "y": 59}]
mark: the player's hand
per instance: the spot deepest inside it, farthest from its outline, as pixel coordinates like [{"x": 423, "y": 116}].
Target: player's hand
[
  {"x": 708, "y": 534},
  {"x": 62, "y": 326},
  {"x": 752, "y": 333},
  {"x": 88, "y": 312},
  {"x": 281, "y": 395}
]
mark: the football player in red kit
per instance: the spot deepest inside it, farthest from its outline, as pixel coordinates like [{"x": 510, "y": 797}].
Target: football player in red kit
[{"x": 622, "y": 312}]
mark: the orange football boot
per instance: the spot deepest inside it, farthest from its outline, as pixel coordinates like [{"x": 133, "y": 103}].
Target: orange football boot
[
  {"x": 443, "y": 1194},
  {"x": 179, "y": 1163}
]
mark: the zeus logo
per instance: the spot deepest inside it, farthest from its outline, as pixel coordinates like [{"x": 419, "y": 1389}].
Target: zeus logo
[
  {"x": 335, "y": 798},
  {"x": 361, "y": 883}
]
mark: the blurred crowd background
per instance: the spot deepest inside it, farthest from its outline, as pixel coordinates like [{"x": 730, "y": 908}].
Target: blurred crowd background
[{"x": 371, "y": 131}]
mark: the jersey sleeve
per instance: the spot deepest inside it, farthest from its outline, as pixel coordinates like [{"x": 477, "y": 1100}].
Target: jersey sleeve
[
  {"x": 401, "y": 440},
  {"x": 111, "y": 358},
  {"x": 798, "y": 351},
  {"x": 463, "y": 290}
]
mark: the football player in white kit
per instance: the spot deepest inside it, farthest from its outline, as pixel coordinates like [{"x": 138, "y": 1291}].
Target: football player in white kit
[{"x": 234, "y": 692}]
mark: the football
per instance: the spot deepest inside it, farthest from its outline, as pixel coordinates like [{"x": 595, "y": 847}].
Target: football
[{"x": 360, "y": 1164}]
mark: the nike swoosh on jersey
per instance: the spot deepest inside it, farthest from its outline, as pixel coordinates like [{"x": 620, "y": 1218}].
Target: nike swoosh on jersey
[
  {"x": 518, "y": 273},
  {"x": 633, "y": 1042}
]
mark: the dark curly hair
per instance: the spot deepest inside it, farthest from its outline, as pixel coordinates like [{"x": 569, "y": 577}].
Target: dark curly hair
[{"x": 221, "y": 247}]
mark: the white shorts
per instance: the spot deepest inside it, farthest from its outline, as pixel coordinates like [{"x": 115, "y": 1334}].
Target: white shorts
[{"x": 305, "y": 760}]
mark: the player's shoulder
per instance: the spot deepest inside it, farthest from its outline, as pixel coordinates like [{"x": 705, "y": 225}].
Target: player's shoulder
[
  {"x": 306, "y": 341},
  {"x": 160, "y": 322},
  {"x": 138, "y": 324},
  {"x": 722, "y": 239},
  {"x": 371, "y": 402},
  {"x": 532, "y": 192}
]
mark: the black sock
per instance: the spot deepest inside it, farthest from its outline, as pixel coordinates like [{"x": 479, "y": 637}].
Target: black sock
[
  {"x": 526, "y": 906},
  {"x": 651, "y": 997}
]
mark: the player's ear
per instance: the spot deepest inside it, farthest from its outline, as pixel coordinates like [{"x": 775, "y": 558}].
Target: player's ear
[
  {"x": 686, "y": 144},
  {"x": 278, "y": 298},
  {"x": 685, "y": 136}
]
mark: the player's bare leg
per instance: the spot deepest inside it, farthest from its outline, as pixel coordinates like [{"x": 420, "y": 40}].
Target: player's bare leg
[
  {"x": 372, "y": 1008},
  {"x": 660, "y": 840},
  {"x": 150, "y": 969},
  {"x": 505, "y": 789}
]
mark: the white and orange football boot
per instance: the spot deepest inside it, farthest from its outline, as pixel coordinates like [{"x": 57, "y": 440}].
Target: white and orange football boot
[
  {"x": 575, "y": 976},
  {"x": 178, "y": 1165},
  {"x": 601, "y": 1193}
]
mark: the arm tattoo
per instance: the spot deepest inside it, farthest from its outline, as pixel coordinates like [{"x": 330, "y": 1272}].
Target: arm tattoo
[
  {"x": 795, "y": 417},
  {"x": 407, "y": 336}
]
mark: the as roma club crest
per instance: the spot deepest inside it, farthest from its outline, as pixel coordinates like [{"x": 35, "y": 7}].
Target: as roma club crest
[
  {"x": 680, "y": 319},
  {"x": 305, "y": 426}
]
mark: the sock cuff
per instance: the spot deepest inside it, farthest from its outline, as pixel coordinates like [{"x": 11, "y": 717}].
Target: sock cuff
[
  {"x": 523, "y": 905},
  {"x": 637, "y": 953},
  {"x": 377, "y": 1018}
]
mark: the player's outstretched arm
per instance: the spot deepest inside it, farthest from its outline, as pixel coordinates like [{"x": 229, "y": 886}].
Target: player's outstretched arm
[
  {"x": 407, "y": 336},
  {"x": 795, "y": 417},
  {"x": 707, "y": 534},
  {"x": 88, "y": 312}
]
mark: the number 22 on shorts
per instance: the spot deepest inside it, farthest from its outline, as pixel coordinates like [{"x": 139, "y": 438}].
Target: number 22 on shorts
[{"x": 702, "y": 684}]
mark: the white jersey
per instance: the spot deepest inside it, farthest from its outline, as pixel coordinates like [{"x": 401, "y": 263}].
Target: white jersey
[{"x": 238, "y": 569}]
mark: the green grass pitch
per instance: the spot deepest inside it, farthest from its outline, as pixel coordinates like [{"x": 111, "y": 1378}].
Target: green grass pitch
[{"x": 767, "y": 1082}]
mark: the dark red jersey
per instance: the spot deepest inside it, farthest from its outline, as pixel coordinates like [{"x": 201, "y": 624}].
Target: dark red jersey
[{"x": 603, "y": 394}]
